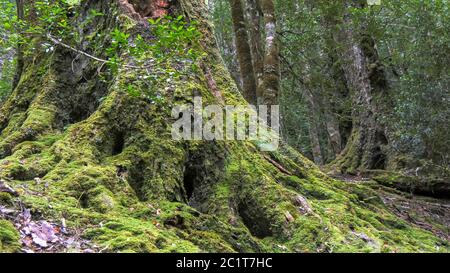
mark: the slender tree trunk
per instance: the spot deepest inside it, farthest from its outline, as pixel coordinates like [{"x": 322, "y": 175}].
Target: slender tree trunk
[
  {"x": 271, "y": 80},
  {"x": 20, "y": 62},
  {"x": 334, "y": 134},
  {"x": 256, "y": 44},
  {"x": 243, "y": 51},
  {"x": 314, "y": 137},
  {"x": 315, "y": 107},
  {"x": 225, "y": 42}
]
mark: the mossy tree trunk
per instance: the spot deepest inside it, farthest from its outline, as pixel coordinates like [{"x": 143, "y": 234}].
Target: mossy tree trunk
[
  {"x": 107, "y": 162},
  {"x": 368, "y": 143}
]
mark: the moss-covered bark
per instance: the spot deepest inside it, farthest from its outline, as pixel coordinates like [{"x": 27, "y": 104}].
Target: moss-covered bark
[
  {"x": 371, "y": 145},
  {"x": 106, "y": 162},
  {"x": 368, "y": 145}
]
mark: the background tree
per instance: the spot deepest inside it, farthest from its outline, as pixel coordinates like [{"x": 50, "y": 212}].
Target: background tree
[
  {"x": 383, "y": 128},
  {"x": 260, "y": 68}
]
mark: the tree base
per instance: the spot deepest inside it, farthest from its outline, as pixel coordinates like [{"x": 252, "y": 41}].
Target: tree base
[{"x": 82, "y": 149}]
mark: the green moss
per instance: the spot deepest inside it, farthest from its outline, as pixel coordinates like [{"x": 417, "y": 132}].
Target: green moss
[
  {"x": 349, "y": 161},
  {"x": 9, "y": 238},
  {"x": 119, "y": 178},
  {"x": 6, "y": 199},
  {"x": 133, "y": 201},
  {"x": 126, "y": 22}
]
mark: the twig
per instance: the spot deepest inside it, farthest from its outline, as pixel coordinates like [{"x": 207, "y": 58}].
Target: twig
[
  {"x": 103, "y": 61},
  {"x": 56, "y": 42},
  {"x": 276, "y": 164}
]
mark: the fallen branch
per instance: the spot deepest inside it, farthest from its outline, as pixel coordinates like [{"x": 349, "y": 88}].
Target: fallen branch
[{"x": 276, "y": 164}]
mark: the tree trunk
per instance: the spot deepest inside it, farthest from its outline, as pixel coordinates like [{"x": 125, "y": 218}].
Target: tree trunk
[
  {"x": 243, "y": 51},
  {"x": 254, "y": 14},
  {"x": 20, "y": 15},
  {"x": 366, "y": 148},
  {"x": 86, "y": 151},
  {"x": 314, "y": 116},
  {"x": 315, "y": 141},
  {"x": 260, "y": 74},
  {"x": 334, "y": 134},
  {"x": 271, "y": 78}
]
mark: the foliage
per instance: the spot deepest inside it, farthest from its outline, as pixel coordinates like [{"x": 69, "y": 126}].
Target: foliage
[
  {"x": 413, "y": 44},
  {"x": 7, "y": 46},
  {"x": 175, "y": 43},
  {"x": 175, "y": 37}
]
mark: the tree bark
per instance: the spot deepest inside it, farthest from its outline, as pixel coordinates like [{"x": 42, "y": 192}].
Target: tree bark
[
  {"x": 366, "y": 148},
  {"x": 19, "y": 67},
  {"x": 334, "y": 134},
  {"x": 243, "y": 51},
  {"x": 315, "y": 140},
  {"x": 271, "y": 79},
  {"x": 254, "y": 14}
]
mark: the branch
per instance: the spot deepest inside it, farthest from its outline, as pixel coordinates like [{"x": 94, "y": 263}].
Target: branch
[
  {"x": 57, "y": 42},
  {"x": 277, "y": 165}
]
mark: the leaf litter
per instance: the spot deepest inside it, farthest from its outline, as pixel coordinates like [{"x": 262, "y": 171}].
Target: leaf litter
[{"x": 45, "y": 236}]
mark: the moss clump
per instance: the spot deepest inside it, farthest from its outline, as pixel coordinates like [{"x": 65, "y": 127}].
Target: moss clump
[
  {"x": 9, "y": 238},
  {"x": 424, "y": 185},
  {"x": 6, "y": 199}
]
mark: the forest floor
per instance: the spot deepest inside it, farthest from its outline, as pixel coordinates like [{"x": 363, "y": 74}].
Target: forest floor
[
  {"x": 424, "y": 212},
  {"x": 39, "y": 235}
]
